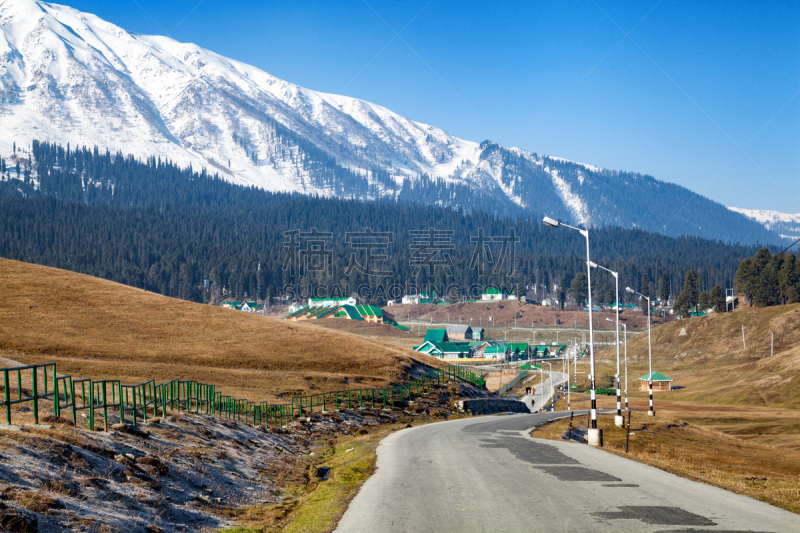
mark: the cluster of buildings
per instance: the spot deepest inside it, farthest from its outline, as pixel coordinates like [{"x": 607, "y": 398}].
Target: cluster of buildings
[
  {"x": 491, "y": 294},
  {"x": 460, "y": 342},
  {"x": 342, "y": 308}
]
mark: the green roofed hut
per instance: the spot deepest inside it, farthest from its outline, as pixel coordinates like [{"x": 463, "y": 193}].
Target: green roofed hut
[{"x": 660, "y": 382}]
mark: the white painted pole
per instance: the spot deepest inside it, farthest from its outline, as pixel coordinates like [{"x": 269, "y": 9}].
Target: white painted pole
[{"x": 743, "y": 342}]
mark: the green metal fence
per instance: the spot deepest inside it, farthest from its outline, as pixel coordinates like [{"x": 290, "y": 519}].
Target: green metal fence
[
  {"x": 137, "y": 402},
  {"x": 38, "y": 390}
]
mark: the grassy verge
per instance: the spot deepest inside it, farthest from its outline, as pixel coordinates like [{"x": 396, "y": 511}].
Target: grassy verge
[
  {"x": 697, "y": 442},
  {"x": 317, "y": 502}
]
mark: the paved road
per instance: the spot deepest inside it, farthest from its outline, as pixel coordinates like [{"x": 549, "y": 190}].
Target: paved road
[
  {"x": 542, "y": 391},
  {"x": 488, "y": 474}
]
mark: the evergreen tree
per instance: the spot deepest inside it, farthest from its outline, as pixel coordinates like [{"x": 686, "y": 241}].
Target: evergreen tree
[
  {"x": 764, "y": 284},
  {"x": 691, "y": 290},
  {"x": 704, "y": 301},
  {"x": 745, "y": 279},
  {"x": 717, "y": 298},
  {"x": 663, "y": 289},
  {"x": 789, "y": 280},
  {"x": 681, "y": 306},
  {"x": 579, "y": 288}
]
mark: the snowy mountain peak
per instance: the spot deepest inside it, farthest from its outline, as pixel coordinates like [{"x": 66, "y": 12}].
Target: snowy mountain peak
[
  {"x": 72, "y": 78},
  {"x": 787, "y": 225}
]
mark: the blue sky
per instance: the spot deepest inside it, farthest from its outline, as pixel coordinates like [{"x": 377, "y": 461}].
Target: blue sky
[{"x": 705, "y": 94}]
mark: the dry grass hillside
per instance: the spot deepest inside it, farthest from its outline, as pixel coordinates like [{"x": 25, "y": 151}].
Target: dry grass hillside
[
  {"x": 99, "y": 329},
  {"x": 682, "y": 350}
]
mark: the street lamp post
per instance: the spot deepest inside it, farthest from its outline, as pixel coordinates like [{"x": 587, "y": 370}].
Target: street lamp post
[
  {"x": 651, "y": 412},
  {"x": 619, "y": 421},
  {"x": 552, "y": 390},
  {"x": 625, "y": 326},
  {"x": 595, "y": 434},
  {"x": 569, "y": 403}
]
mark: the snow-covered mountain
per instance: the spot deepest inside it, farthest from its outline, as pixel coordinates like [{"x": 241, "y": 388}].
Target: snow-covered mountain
[
  {"x": 70, "y": 77},
  {"x": 787, "y": 225}
]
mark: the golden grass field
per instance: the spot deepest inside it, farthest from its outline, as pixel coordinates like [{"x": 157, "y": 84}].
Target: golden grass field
[
  {"x": 99, "y": 329},
  {"x": 749, "y": 450},
  {"x": 710, "y": 362}
]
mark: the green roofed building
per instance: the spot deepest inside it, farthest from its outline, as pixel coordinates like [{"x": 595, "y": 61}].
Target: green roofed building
[
  {"x": 492, "y": 294},
  {"x": 436, "y": 335},
  {"x": 495, "y": 352},
  {"x": 518, "y": 350},
  {"x": 660, "y": 382}
]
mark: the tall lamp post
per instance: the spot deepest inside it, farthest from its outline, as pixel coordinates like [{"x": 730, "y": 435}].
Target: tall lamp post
[
  {"x": 552, "y": 390},
  {"x": 651, "y": 412},
  {"x": 625, "y": 326},
  {"x": 595, "y": 434},
  {"x": 619, "y": 421}
]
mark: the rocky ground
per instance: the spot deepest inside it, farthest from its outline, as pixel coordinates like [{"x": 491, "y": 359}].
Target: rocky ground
[{"x": 182, "y": 472}]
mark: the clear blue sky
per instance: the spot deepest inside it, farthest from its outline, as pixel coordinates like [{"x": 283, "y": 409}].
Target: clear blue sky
[{"x": 705, "y": 94}]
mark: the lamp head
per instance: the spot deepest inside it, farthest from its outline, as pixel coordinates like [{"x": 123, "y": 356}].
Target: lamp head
[
  {"x": 609, "y": 320},
  {"x": 628, "y": 289},
  {"x": 550, "y": 222},
  {"x": 592, "y": 264}
]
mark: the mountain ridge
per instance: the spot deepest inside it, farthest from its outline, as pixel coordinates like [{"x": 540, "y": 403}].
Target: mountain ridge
[{"x": 71, "y": 77}]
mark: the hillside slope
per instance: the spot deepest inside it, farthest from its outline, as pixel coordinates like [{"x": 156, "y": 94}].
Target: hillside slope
[
  {"x": 100, "y": 329},
  {"x": 706, "y": 356}
]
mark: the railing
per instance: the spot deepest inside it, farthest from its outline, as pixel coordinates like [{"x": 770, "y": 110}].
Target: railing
[
  {"x": 137, "y": 402},
  {"x": 38, "y": 388},
  {"x": 513, "y": 383}
]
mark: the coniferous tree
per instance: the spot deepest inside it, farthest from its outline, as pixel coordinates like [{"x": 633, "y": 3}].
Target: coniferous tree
[
  {"x": 704, "y": 301},
  {"x": 663, "y": 289},
  {"x": 579, "y": 288},
  {"x": 789, "y": 280},
  {"x": 717, "y": 298},
  {"x": 691, "y": 290}
]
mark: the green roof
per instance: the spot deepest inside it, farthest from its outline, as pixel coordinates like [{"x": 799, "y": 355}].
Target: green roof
[
  {"x": 369, "y": 310},
  {"x": 521, "y": 346},
  {"x": 349, "y": 310},
  {"x": 495, "y": 349},
  {"x": 453, "y": 347},
  {"x": 436, "y": 335},
  {"x": 297, "y": 312},
  {"x": 492, "y": 290},
  {"x": 657, "y": 376}
]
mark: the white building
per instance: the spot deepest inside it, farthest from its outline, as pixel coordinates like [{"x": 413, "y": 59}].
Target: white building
[
  {"x": 492, "y": 294},
  {"x": 331, "y": 302}
]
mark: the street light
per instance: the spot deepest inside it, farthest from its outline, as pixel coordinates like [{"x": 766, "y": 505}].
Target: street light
[
  {"x": 569, "y": 403},
  {"x": 625, "y": 326},
  {"x": 651, "y": 412},
  {"x": 595, "y": 434},
  {"x": 618, "y": 420}
]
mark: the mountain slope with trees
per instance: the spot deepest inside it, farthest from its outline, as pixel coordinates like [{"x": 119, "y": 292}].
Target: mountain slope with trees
[{"x": 155, "y": 225}]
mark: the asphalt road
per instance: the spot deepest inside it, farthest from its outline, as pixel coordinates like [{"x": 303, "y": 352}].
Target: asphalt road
[
  {"x": 543, "y": 392},
  {"x": 488, "y": 474}
]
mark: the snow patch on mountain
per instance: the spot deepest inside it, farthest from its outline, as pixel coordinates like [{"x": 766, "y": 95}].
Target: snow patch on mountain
[
  {"x": 787, "y": 224},
  {"x": 69, "y": 77},
  {"x": 572, "y": 200},
  {"x": 584, "y": 165}
]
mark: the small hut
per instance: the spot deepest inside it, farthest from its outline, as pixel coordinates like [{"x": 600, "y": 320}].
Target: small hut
[{"x": 660, "y": 382}]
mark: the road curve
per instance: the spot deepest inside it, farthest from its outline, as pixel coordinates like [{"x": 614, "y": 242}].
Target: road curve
[{"x": 488, "y": 474}]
